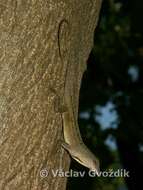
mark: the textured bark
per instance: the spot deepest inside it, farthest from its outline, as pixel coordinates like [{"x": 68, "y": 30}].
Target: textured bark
[{"x": 39, "y": 41}]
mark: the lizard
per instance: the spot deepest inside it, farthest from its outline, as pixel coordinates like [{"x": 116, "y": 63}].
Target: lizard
[{"x": 73, "y": 142}]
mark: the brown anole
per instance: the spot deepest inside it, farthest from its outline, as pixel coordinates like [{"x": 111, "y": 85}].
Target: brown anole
[{"x": 73, "y": 141}]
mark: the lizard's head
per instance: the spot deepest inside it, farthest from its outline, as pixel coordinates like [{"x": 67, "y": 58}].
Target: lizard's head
[{"x": 91, "y": 163}]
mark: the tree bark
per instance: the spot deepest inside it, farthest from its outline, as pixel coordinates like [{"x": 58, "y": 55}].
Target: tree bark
[{"x": 39, "y": 41}]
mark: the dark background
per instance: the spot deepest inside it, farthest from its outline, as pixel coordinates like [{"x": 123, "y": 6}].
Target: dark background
[{"x": 111, "y": 98}]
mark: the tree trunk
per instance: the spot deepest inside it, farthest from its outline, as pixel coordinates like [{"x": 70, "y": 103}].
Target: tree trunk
[{"x": 39, "y": 41}]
